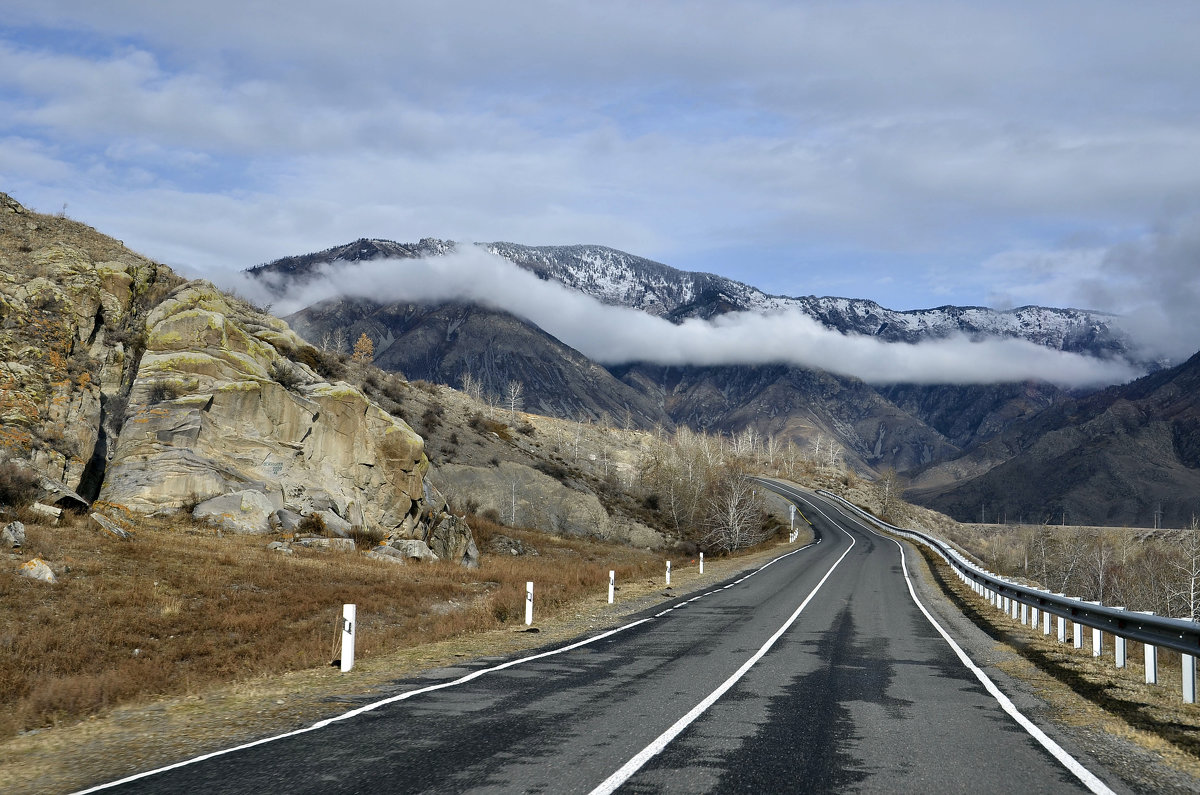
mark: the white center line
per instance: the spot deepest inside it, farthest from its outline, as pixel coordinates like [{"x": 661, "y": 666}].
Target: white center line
[{"x": 654, "y": 748}]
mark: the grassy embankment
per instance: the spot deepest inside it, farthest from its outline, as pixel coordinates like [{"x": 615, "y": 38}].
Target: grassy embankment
[{"x": 179, "y": 609}]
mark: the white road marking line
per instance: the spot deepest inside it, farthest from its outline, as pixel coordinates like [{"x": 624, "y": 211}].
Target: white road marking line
[
  {"x": 401, "y": 696},
  {"x": 622, "y": 775},
  {"x": 1085, "y": 776},
  {"x": 366, "y": 708}
]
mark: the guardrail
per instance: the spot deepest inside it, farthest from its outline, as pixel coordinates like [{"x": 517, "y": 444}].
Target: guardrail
[{"x": 1035, "y": 605}]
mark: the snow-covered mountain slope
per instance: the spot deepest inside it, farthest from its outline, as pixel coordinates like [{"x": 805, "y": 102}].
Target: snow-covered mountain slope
[{"x": 615, "y": 277}]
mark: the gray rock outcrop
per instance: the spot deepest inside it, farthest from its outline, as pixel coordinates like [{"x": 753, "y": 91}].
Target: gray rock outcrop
[
  {"x": 13, "y": 535},
  {"x": 130, "y": 389}
]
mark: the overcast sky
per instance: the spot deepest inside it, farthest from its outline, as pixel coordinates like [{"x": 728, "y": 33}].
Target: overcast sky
[{"x": 914, "y": 153}]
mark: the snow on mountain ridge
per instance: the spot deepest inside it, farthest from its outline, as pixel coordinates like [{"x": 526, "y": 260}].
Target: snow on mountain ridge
[{"x": 617, "y": 278}]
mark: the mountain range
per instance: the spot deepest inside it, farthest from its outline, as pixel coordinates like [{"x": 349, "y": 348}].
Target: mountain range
[{"x": 960, "y": 445}]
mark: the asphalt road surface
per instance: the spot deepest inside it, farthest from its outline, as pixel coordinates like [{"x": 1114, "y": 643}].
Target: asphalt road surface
[{"x": 816, "y": 673}]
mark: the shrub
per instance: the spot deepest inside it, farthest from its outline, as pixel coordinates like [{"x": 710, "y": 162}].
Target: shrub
[
  {"x": 366, "y": 538},
  {"x": 311, "y": 525},
  {"x": 18, "y": 486},
  {"x": 162, "y": 391},
  {"x": 556, "y": 471},
  {"x": 431, "y": 419},
  {"x": 286, "y": 374}
]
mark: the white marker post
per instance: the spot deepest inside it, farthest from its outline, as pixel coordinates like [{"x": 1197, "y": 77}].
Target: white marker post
[
  {"x": 701, "y": 562},
  {"x": 348, "y": 621},
  {"x": 612, "y": 585},
  {"x": 1119, "y": 653},
  {"x": 792, "y": 532},
  {"x": 1151, "y": 654},
  {"x": 668, "y": 572},
  {"x": 528, "y": 603}
]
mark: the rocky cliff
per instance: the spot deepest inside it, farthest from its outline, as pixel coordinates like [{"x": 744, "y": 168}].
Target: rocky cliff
[{"x": 122, "y": 383}]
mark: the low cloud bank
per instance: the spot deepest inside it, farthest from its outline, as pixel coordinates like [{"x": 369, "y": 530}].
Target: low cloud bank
[
  {"x": 1155, "y": 284},
  {"x": 614, "y": 335}
]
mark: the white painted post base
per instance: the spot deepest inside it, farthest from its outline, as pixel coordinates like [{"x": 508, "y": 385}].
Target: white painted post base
[
  {"x": 1062, "y": 630},
  {"x": 1077, "y": 628},
  {"x": 348, "y": 629},
  {"x": 1189, "y": 678},
  {"x": 701, "y": 562},
  {"x": 612, "y": 585},
  {"x": 528, "y": 603},
  {"x": 668, "y": 572},
  {"x": 1151, "y": 656}
]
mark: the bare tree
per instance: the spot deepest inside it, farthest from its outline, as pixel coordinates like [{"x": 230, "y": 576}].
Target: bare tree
[
  {"x": 835, "y": 452},
  {"x": 1183, "y": 594},
  {"x": 734, "y": 515},
  {"x": 772, "y": 447},
  {"x": 471, "y": 387},
  {"x": 514, "y": 398},
  {"x": 1100, "y": 557},
  {"x": 889, "y": 479}
]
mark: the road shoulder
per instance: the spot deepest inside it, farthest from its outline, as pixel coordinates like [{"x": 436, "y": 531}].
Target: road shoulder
[{"x": 1133, "y": 758}]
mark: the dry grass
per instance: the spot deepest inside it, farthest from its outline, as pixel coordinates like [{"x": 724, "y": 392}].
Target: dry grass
[{"x": 178, "y": 610}]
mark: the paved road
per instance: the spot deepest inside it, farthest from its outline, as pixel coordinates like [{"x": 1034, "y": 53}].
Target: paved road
[{"x": 816, "y": 673}]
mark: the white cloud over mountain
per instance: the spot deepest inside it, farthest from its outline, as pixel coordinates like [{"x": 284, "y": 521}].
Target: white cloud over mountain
[{"x": 614, "y": 334}]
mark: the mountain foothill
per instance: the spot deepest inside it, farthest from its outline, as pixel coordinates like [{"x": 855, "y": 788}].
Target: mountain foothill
[{"x": 1026, "y": 451}]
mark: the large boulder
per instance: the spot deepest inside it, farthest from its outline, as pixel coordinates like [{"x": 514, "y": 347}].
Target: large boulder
[
  {"x": 222, "y": 420},
  {"x": 412, "y": 549},
  {"x": 247, "y": 512},
  {"x": 38, "y": 569},
  {"x": 12, "y": 536}
]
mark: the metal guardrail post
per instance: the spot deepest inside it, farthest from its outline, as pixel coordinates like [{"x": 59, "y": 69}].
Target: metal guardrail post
[
  {"x": 1077, "y": 628},
  {"x": 1151, "y": 653},
  {"x": 1119, "y": 647},
  {"x": 1097, "y": 638},
  {"x": 1143, "y": 627}
]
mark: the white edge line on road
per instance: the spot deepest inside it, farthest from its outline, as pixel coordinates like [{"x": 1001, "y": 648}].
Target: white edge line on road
[
  {"x": 366, "y": 708},
  {"x": 410, "y": 693},
  {"x": 622, "y": 775},
  {"x": 1089, "y": 779}
]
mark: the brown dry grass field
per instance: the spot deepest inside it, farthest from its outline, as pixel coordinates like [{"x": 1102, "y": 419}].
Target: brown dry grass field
[
  {"x": 190, "y": 694},
  {"x": 178, "y": 610}
]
